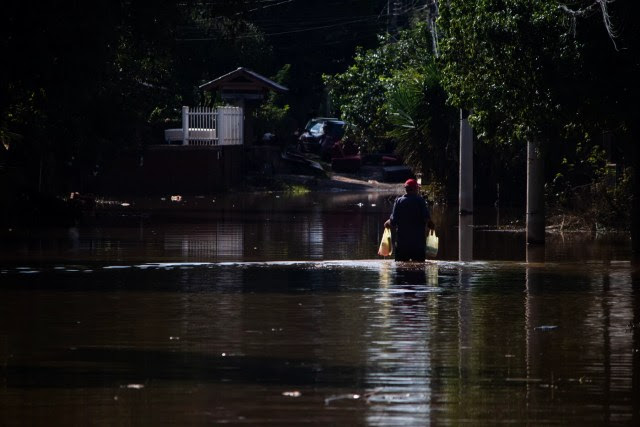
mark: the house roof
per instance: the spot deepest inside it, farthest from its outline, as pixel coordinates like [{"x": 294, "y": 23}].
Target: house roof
[{"x": 243, "y": 80}]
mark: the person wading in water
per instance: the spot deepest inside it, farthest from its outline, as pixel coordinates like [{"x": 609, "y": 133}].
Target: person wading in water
[{"x": 409, "y": 216}]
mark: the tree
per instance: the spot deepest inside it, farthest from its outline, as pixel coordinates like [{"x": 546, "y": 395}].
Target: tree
[
  {"x": 360, "y": 93},
  {"x": 610, "y": 32},
  {"x": 546, "y": 71},
  {"x": 510, "y": 62},
  {"x": 421, "y": 122}
]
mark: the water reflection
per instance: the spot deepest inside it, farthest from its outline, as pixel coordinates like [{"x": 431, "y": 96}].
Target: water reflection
[
  {"x": 635, "y": 333},
  {"x": 276, "y": 227},
  {"x": 219, "y": 241},
  {"x": 398, "y": 380},
  {"x": 416, "y": 343},
  {"x": 264, "y": 311}
]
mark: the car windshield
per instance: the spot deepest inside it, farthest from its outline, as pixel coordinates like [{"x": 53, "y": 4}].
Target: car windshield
[
  {"x": 316, "y": 129},
  {"x": 335, "y": 127}
]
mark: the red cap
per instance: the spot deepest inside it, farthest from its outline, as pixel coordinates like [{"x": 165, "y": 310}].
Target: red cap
[{"x": 411, "y": 183}]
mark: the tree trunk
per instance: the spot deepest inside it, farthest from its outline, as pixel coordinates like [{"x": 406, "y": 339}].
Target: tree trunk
[{"x": 535, "y": 194}]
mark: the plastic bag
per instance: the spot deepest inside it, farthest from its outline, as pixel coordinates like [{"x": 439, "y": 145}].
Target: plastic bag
[
  {"x": 432, "y": 244},
  {"x": 385, "y": 248}
]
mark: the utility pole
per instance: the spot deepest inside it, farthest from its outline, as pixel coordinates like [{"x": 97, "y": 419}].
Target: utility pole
[
  {"x": 432, "y": 15},
  {"x": 393, "y": 10},
  {"x": 535, "y": 193},
  {"x": 465, "y": 195}
]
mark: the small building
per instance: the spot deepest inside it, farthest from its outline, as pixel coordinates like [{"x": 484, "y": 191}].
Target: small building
[
  {"x": 243, "y": 85},
  {"x": 245, "y": 89},
  {"x": 208, "y": 153}
]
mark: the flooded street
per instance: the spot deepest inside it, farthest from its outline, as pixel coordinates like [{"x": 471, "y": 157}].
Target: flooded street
[{"x": 276, "y": 310}]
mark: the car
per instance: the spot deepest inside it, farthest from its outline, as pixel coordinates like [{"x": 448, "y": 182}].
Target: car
[{"x": 311, "y": 138}]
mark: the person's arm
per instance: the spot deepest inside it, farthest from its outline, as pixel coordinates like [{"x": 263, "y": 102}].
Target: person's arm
[
  {"x": 430, "y": 223},
  {"x": 392, "y": 221}
]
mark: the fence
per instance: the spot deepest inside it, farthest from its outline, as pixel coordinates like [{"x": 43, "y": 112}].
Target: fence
[{"x": 203, "y": 126}]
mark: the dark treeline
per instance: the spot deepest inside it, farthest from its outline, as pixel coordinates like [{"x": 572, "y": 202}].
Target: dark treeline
[{"x": 84, "y": 80}]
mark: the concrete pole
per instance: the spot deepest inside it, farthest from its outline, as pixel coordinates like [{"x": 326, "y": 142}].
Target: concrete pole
[
  {"x": 465, "y": 195},
  {"x": 185, "y": 125},
  {"x": 535, "y": 194},
  {"x": 465, "y": 237}
]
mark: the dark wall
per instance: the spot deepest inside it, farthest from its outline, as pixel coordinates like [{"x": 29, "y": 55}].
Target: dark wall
[{"x": 175, "y": 170}]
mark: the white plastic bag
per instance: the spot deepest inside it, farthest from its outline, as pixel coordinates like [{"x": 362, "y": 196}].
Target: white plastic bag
[
  {"x": 432, "y": 244},
  {"x": 385, "y": 248}
]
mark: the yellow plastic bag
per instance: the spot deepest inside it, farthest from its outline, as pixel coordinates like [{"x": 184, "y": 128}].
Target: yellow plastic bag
[
  {"x": 385, "y": 248},
  {"x": 432, "y": 244}
]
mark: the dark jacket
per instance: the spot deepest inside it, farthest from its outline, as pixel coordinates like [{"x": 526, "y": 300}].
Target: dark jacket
[{"x": 410, "y": 215}]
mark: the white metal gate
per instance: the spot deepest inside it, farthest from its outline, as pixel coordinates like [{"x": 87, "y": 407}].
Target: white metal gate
[{"x": 202, "y": 126}]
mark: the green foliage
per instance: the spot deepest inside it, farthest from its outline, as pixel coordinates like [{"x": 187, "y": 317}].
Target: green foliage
[
  {"x": 394, "y": 101},
  {"x": 274, "y": 115},
  {"x": 420, "y": 120},
  {"x": 511, "y": 62},
  {"x": 360, "y": 93},
  {"x": 611, "y": 207},
  {"x": 528, "y": 70}
]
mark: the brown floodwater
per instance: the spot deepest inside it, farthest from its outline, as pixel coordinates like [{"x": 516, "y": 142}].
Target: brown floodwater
[{"x": 276, "y": 310}]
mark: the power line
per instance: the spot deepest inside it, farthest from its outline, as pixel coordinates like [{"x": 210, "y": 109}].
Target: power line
[{"x": 321, "y": 27}]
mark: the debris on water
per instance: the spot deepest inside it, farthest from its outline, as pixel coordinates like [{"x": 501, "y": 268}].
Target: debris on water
[
  {"x": 552, "y": 386},
  {"x": 524, "y": 380},
  {"x": 294, "y": 393},
  {"x": 581, "y": 380},
  {"x": 134, "y": 386},
  {"x": 546, "y": 328},
  {"x": 348, "y": 396}
]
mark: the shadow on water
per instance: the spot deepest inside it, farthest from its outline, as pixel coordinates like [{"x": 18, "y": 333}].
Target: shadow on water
[
  {"x": 272, "y": 311},
  {"x": 113, "y": 367}
]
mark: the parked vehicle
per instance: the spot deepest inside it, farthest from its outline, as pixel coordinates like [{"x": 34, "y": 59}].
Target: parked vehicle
[{"x": 314, "y": 133}]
